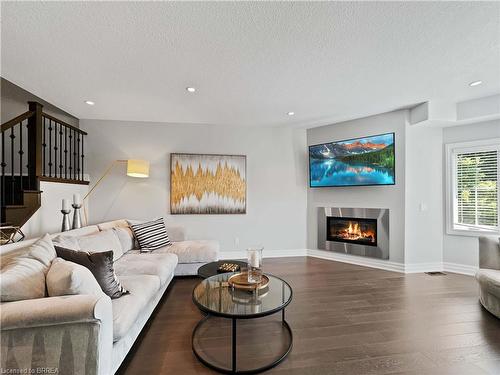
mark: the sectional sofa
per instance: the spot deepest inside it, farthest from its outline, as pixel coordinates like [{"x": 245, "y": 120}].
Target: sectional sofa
[
  {"x": 88, "y": 334},
  {"x": 488, "y": 275}
]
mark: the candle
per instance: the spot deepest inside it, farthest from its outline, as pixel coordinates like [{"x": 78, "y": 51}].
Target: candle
[
  {"x": 254, "y": 259},
  {"x": 77, "y": 199},
  {"x": 65, "y": 205}
]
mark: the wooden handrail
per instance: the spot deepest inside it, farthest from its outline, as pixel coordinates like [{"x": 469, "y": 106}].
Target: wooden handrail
[
  {"x": 16, "y": 120},
  {"x": 64, "y": 123},
  {"x": 64, "y": 180}
]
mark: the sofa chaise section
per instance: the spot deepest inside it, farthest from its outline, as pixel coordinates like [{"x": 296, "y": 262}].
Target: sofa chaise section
[{"x": 191, "y": 254}]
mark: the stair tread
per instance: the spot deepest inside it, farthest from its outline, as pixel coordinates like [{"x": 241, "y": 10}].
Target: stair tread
[
  {"x": 32, "y": 191},
  {"x": 15, "y": 206}
]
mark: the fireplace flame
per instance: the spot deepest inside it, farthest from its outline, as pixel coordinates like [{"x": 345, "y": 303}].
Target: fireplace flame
[
  {"x": 354, "y": 232},
  {"x": 354, "y": 229}
]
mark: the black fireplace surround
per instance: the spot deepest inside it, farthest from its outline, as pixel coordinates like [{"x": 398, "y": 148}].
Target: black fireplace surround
[{"x": 361, "y": 231}]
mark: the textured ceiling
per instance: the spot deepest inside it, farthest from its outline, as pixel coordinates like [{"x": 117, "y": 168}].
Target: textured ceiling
[{"x": 251, "y": 62}]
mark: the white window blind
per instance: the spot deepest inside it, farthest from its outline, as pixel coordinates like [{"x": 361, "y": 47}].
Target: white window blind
[{"x": 474, "y": 184}]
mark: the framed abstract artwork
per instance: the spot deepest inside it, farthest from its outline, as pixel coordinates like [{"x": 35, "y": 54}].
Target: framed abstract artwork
[{"x": 207, "y": 184}]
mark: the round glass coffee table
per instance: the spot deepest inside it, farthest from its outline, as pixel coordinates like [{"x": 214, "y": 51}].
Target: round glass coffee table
[
  {"x": 229, "y": 339},
  {"x": 211, "y": 268}
]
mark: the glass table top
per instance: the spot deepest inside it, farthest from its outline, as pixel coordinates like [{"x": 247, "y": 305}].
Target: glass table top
[{"x": 214, "y": 296}]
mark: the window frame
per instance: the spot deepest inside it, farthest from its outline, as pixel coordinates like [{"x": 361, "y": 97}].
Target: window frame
[{"x": 451, "y": 184}]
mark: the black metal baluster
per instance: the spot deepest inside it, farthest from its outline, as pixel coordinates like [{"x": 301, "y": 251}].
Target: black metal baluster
[
  {"x": 83, "y": 155},
  {"x": 28, "y": 159},
  {"x": 12, "y": 137},
  {"x": 21, "y": 152},
  {"x": 65, "y": 152},
  {"x": 44, "y": 150},
  {"x": 70, "y": 153},
  {"x": 3, "y": 165},
  {"x": 78, "y": 158},
  {"x": 74, "y": 155},
  {"x": 50, "y": 148},
  {"x": 60, "y": 151},
  {"x": 55, "y": 149}
]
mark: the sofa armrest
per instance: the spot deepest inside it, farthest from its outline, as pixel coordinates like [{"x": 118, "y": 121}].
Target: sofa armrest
[
  {"x": 489, "y": 253},
  {"x": 52, "y": 310},
  {"x": 62, "y": 333}
]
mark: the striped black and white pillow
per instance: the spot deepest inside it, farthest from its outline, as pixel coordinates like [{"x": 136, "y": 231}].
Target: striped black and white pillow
[{"x": 151, "y": 235}]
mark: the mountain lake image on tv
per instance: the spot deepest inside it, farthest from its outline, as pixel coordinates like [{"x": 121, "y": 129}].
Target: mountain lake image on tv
[{"x": 353, "y": 162}]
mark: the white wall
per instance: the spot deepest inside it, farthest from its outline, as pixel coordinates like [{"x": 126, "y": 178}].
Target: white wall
[
  {"x": 423, "y": 198},
  {"x": 48, "y": 218},
  {"x": 463, "y": 250},
  {"x": 14, "y": 102},
  {"x": 276, "y": 175},
  {"x": 391, "y": 197}
]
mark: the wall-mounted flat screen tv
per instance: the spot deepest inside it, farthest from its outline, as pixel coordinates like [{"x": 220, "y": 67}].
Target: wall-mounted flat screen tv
[{"x": 353, "y": 162}]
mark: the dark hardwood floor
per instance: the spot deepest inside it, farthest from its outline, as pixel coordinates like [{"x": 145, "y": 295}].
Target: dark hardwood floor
[{"x": 346, "y": 319}]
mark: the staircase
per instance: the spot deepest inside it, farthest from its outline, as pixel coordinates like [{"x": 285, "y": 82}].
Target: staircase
[{"x": 36, "y": 147}]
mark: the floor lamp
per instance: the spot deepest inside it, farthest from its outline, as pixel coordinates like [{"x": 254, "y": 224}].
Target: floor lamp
[{"x": 135, "y": 168}]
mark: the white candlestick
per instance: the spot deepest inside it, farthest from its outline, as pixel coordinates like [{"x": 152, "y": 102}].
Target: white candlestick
[
  {"x": 65, "y": 205},
  {"x": 77, "y": 199},
  {"x": 254, "y": 260}
]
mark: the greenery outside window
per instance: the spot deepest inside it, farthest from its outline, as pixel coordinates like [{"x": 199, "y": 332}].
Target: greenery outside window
[{"x": 473, "y": 175}]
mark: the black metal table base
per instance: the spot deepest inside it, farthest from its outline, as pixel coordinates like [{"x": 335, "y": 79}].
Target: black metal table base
[{"x": 234, "y": 369}]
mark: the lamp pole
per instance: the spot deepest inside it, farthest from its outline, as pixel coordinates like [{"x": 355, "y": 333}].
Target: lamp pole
[{"x": 97, "y": 183}]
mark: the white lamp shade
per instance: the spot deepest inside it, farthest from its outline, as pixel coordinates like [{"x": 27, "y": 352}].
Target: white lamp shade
[{"x": 138, "y": 168}]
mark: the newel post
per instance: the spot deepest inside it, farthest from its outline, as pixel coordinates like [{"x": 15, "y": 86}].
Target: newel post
[{"x": 35, "y": 130}]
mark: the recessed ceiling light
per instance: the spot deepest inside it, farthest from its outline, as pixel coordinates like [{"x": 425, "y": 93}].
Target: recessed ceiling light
[
  {"x": 475, "y": 83},
  {"x": 89, "y": 102},
  {"x": 290, "y": 113},
  {"x": 190, "y": 89}
]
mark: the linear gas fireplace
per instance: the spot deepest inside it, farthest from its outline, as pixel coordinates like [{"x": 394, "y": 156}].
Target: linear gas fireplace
[
  {"x": 356, "y": 231},
  {"x": 352, "y": 230}
]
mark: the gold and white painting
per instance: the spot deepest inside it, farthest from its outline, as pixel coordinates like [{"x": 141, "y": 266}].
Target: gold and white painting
[{"x": 207, "y": 184}]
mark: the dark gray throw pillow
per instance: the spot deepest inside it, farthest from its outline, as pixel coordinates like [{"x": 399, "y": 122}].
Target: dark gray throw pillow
[{"x": 101, "y": 266}]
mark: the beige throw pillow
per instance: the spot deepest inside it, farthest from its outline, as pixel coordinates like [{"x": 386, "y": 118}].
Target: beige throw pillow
[
  {"x": 23, "y": 275},
  {"x": 68, "y": 278}
]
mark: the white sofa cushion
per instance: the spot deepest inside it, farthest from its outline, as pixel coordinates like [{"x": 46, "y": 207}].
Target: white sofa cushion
[
  {"x": 127, "y": 308},
  {"x": 161, "y": 265},
  {"x": 103, "y": 241},
  {"x": 126, "y": 238},
  {"x": 23, "y": 272},
  {"x": 68, "y": 242},
  {"x": 200, "y": 251},
  {"x": 84, "y": 231},
  {"x": 68, "y": 278}
]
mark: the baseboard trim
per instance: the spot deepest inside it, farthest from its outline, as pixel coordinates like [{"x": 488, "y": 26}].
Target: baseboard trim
[
  {"x": 462, "y": 269},
  {"x": 360, "y": 261},
  {"x": 423, "y": 267},
  {"x": 241, "y": 254}
]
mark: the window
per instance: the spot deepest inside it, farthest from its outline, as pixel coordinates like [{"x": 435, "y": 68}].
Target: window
[{"x": 472, "y": 187}]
